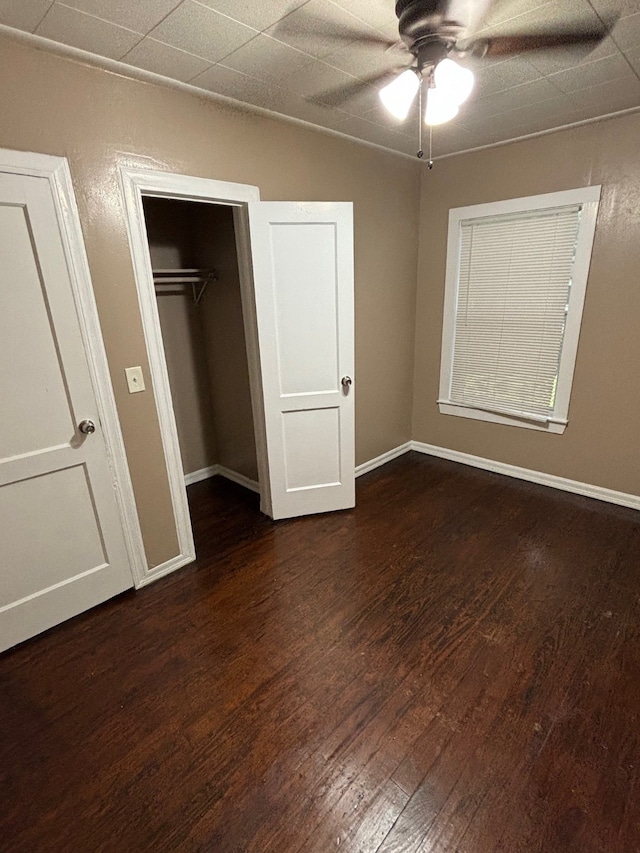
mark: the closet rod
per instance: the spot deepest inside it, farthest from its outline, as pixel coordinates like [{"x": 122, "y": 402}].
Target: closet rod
[{"x": 171, "y": 277}]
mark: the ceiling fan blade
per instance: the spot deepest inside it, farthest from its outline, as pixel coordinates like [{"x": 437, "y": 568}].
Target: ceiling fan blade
[
  {"x": 310, "y": 24},
  {"x": 341, "y": 94},
  {"x": 510, "y": 45}
]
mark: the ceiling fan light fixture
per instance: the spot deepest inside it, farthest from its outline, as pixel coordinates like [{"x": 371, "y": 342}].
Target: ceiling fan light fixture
[
  {"x": 440, "y": 107},
  {"x": 453, "y": 80},
  {"x": 398, "y": 95}
]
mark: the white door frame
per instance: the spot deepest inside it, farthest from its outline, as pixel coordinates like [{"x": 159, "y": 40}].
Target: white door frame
[
  {"x": 137, "y": 183},
  {"x": 56, "y": 171}
]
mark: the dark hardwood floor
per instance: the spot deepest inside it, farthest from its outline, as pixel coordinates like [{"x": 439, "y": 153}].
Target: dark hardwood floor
[{"x": 452, "y": 666}]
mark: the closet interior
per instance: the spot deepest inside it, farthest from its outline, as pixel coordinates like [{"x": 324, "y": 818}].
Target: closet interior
[{"x": 195, "y": 269}]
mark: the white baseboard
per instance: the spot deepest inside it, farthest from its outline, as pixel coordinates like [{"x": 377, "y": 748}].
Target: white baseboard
[
  {"x": 221, "y": 471},
  {"x": 383, "y": 458},
  {"x": 562, "y": 483},
  {"x": 240, "y": 479},
  {"x": 201, "y": 474}
]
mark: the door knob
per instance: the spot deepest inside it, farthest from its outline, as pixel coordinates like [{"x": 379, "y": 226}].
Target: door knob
[
  {"x": 346, "y": 382},
  {"x": 86, "y": 427}
]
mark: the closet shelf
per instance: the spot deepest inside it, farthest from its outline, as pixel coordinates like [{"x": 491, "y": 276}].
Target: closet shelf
[{"x": 172, "y": 277}]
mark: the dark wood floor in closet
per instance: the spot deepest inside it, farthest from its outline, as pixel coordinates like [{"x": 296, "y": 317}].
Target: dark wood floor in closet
[{"x": 453, "y": 666}]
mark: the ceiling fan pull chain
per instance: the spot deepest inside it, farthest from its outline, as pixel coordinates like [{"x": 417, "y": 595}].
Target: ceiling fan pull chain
[{"x": 430, "y": 163}]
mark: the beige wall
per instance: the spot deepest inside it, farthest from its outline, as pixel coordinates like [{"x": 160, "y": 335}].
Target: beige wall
[
  {"x": 599, "y": 445},
  {"x": 223, "y": 324},
  {"x": 99, "y": 119},
  {"x": 171, "y": 236}
]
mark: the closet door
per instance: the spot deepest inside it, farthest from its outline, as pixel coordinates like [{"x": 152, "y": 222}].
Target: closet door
[{"x": 303, "y": 276}]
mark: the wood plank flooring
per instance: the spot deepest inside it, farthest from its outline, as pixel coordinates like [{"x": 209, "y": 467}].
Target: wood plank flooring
[{"x": 452, "y": 666}]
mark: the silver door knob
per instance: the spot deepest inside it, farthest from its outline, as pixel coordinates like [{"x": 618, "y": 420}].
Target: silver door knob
[
  {"x": 86, "y": 427},
  {"x": 346, "y": 382}
]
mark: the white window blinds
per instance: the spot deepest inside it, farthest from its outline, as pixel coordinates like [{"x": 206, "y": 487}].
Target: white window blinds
[{"x": 513, "y": 293}]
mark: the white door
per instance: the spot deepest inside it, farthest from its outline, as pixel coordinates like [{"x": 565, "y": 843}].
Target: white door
[
  {"x": 62, "y": 547},
  {"x": 303, "y": 275}
]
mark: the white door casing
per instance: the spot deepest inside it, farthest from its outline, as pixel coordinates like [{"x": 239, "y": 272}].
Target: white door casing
[
  {"x": 69, "y": 538},
  {"x": 302, "y": 255},
  {"x": 137, "y": 183}
]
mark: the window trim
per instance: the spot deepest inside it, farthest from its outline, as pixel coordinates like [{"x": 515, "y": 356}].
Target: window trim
[{"x": 588, "y": 198}]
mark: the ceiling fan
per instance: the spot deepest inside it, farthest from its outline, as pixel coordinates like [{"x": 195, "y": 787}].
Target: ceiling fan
[{"x": 435, "y": 33}]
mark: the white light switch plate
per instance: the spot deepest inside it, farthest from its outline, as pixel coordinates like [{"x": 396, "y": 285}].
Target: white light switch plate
[{"x": 135, "y": 379}]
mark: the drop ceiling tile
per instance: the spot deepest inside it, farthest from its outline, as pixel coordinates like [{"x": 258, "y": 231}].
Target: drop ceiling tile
[
  {"x": 377, "y": 13},
  {"x": 634, "y": 58},
  {"x": 504, "y": 75},
  {"x": 141, "y": 15},
  {"x": 551, "y": 17},
  {"x": 593, "y": 73},
  {"x": 612, "y": 7},
  {"x": 406, "y": 146},
  {"x": 162, "y": 59},
  {"x": 23, "y": 14},
  {"x": 225, "y": 81},
  {"x": 318, "y": 114},
  {"x": 201, "y": 31},
  {"x": 514, "y": 126},
  {"x": 250, "y": 90},
  {"x": 390, "y": 139},
  {"x": 448, "y": 139},
  {"x": 626, "y": 32},
  {"x": 509, "y": 99},
  {"x": 318, "y": 81},
  {"x": 266, "y": 57},
  {"x": 395, "y": 141},
  {"x": 558, "y": 14},
  {"x": 607, "y": 97},
  {"x": 363, "y": 60},
  {"x": 362, "y": 129},
  {"x": 488, "y": 135},
  {"x": 77, "y": 29},
  {"x": 271, "y": 97},
  {"x": 320, "y": 27},
  {"x": 566, "y": 109},
  {"x": 244, "y": 87},
  {"x": 363, "y": 102},
  {"x": 506, "y": 10},
  {"x": 546, "y": 114},
  {"x": 257, "y": 13},
  {"x": 553, "y": 61}
]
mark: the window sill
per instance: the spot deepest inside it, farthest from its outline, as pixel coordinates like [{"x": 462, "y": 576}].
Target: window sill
[{"x": 555, "y": 427}]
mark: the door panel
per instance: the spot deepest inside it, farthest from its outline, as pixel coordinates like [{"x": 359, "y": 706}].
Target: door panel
[
  {"x": 303, "y": 276},
  {"x": 63, "y": 545},
  {"x": 319, "y": 429},
  {"x": 313, "y": 335},
  {"x": 38, "y": 379},
  {"x": 33, "y": 507}
]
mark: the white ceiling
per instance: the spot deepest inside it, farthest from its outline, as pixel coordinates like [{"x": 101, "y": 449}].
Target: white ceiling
[{"x": 244, "y": 49}]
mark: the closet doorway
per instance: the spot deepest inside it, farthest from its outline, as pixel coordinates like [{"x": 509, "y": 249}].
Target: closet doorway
[
  {"x": 192, "y": 247},
  {"x": 294, "y": 268}
]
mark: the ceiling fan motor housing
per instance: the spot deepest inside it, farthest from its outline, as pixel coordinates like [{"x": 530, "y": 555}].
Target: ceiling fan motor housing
[{"x": 425, "y": 32}]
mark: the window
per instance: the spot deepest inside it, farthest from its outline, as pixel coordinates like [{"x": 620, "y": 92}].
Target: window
[{"x": 516, "y": 277}]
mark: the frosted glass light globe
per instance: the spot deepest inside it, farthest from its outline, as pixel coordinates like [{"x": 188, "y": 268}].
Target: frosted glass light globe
[
  {"x": 453, "y": 79},
  {"x": 440, "y": 107},
  {"x": 398, "y": 95}
]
